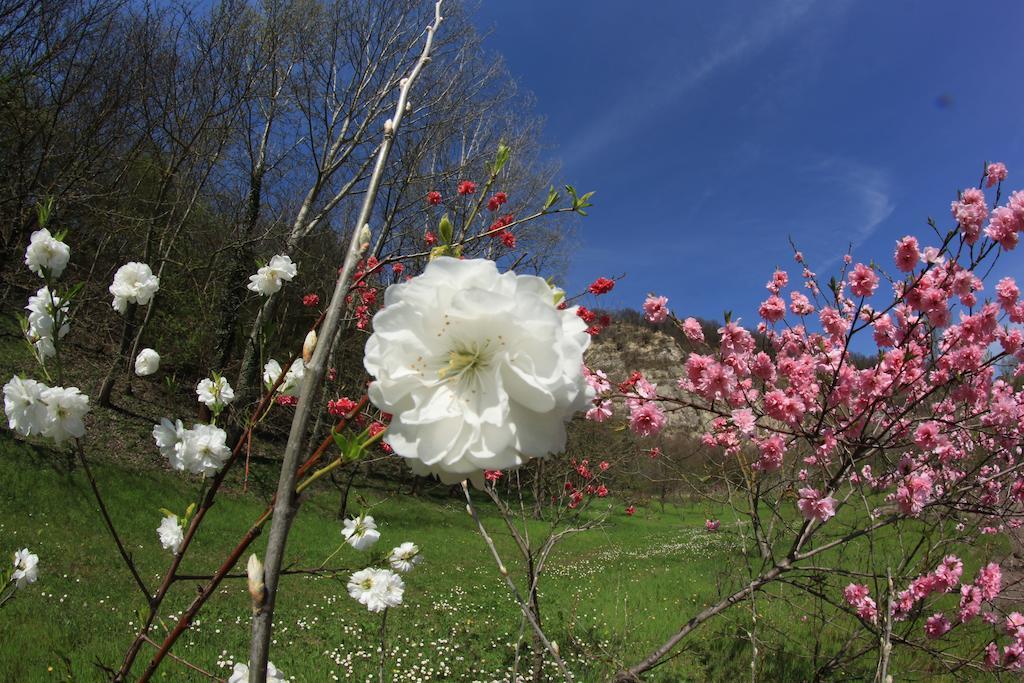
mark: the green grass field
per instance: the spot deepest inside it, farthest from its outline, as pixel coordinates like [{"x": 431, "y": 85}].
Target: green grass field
[
  {"x": 626, "y": 582},
  {"x": 609, "y": 594}
]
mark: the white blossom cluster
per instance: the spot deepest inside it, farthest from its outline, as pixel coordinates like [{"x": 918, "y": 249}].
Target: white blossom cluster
[
  {"x": 292, "y": 382},
  {"x": 200, "y": 450},
  {"x": 46, "y": 255},
  {"x": 32, "y": 409},
  {"x": 48, "y": 317},
  {"x": 360, "y": 532},
  {"x": 134, "y": 283},
  {"x": 375, "y": 588},
  {"x": 215, "y": 393},
  {"x": 479, "y": 369},
  {"x": 270, "y": 278}
]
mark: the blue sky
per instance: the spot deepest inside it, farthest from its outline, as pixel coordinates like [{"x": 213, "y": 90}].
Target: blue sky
[{"x": 713, "y": 131}]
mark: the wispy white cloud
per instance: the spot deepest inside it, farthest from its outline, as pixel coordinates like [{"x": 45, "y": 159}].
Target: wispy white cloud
[
  {"x": 742, "y": 40},
  {"x": 861, "y": 201}
]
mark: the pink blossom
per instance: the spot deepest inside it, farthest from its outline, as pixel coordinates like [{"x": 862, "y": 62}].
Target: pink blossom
[
  {"x": 991, "y": 655},
  {"x": 1003, "y": 227},
  {"x": 907, "y": 254},
  {"x": 693, "y": 330},
  {"x": 1013, "y": 655},
  {"x": 647, "y": 419},
  {"x": 814, "y": 506},
  {"x": 745, "y": 421},
  {"x": 948, "y": 573},
  {"x": 712, "y": 525},
  {"x": 600, "y": 412},
  {"x": 989, "y": 581},
  {"x": 863, "y": 280},
  {"x": 996, "y": 173},
  {"x": 800, "y": 304},
  {"x": 1015, "y": 625},
  {"x": 936, "y": 625},
  {"x": 854, "y": 593},
  {"x": 780, "y": 279},
  {"x": 772, "y": 449},
  {"x": 833, "y": 322},
  {"x": 1008, "y": 292},
  {"x": 597, "y": 380},
  {"x": 970, "y": 212},
  {"x": 656, "y": 308},
  {"x": 773, "y": 309}
]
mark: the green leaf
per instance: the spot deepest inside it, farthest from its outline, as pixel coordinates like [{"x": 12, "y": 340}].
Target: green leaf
[
  {"x": 167, "y": 513},
  {"x": 443, "y": 250},
  {"x": 341, "y": 441},
  {"x": 552, "y": 198},
  {"x": 445, "y": 230},
  {"x": 501, "y": 159},
  {"x": 43, "y": 211}
]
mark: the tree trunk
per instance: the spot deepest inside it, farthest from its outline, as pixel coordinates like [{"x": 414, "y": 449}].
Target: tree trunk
[{"x": 127, "y": 334}]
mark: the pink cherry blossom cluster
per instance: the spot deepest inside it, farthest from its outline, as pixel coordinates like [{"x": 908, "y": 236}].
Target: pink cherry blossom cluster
[{"x": 927, "y": 416}]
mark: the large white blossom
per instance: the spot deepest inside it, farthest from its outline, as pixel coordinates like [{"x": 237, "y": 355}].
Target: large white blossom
[
  {"x": 378, "y": 589},
  {"x": 45, "y": 309},
  {"x": 240, "y": 674},
  {"x": 200, "y": 450},
  {"x": 170, "y": 533},
  {"x": 215, "y": 393},
  {"x": 147, "y": 362},
  {"x": 360, "y": 532},
  {"x": 480, "y": 370},
  {"x": 405, "y": 557},
  {"x": 26, "y": 568},
  {"x": 24, "y": 406},
  {"x": 65, "y": 408},
  {"x": 272, "y": 276},
  {"x": 134, "y": 283},
  {"x": 46, "y": 255},
  {"x": 292, "y": 382}
]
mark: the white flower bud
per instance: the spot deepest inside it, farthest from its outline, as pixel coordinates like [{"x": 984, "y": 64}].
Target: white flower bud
[
  {"x": 255, "y": 571},
  {"x": 308, "y": 346},
  {"x": 364, "y": 238},
  {"x": 389, "y": 127},
  {"x": 147, "y": 362}
]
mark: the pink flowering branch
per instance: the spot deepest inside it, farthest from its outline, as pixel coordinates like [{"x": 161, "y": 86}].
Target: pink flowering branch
[{"x": 927, "y": 425}]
